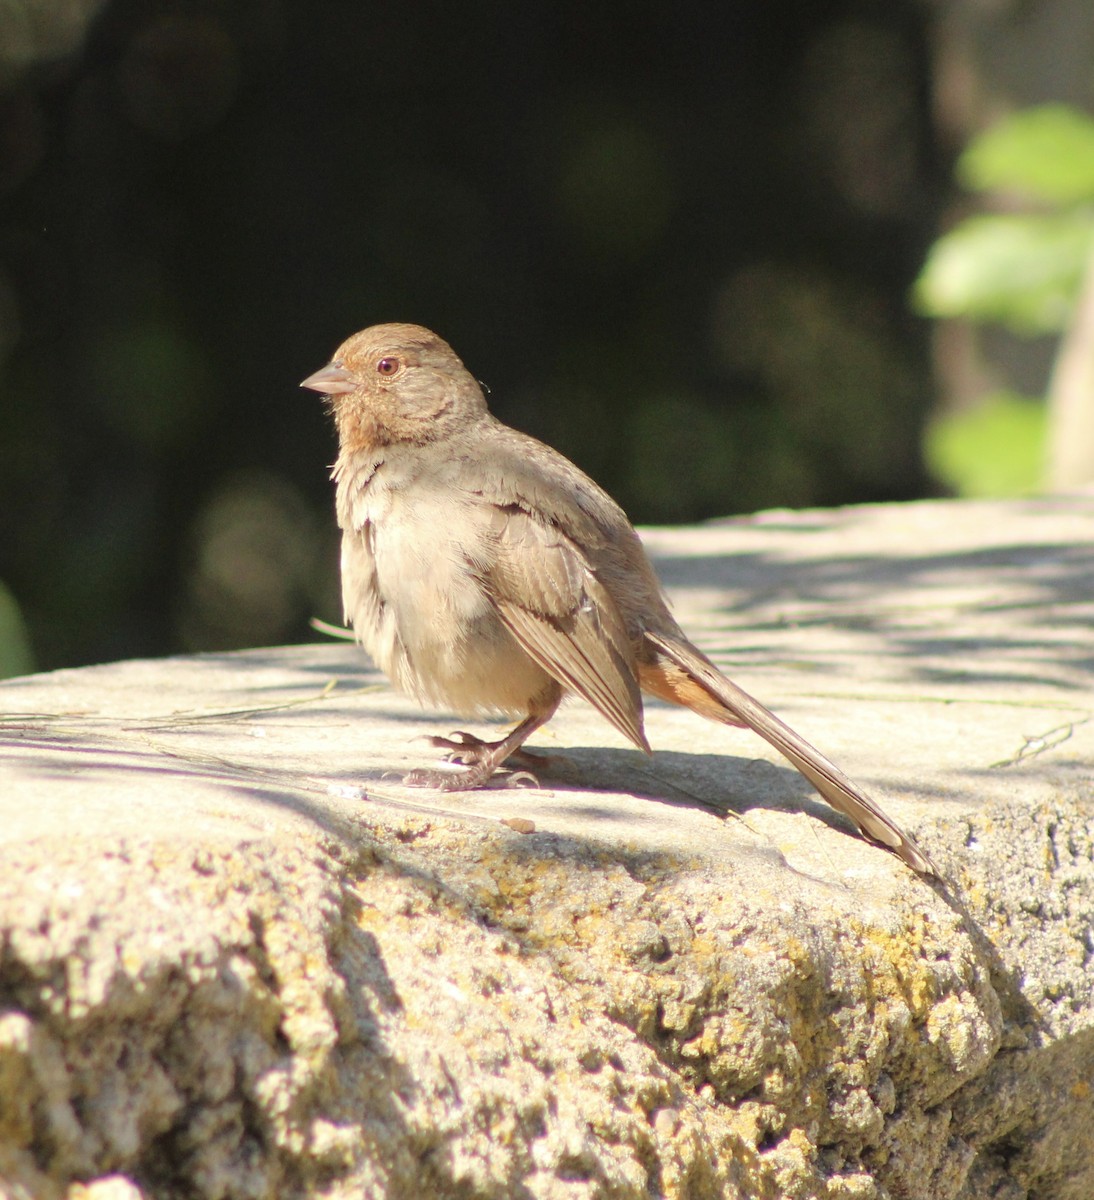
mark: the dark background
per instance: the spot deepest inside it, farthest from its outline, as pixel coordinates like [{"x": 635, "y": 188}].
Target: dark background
[{"x": 676, "y": 241}]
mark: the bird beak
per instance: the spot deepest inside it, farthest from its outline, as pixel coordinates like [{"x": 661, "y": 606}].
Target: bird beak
[{"x": 333, "y": 379}]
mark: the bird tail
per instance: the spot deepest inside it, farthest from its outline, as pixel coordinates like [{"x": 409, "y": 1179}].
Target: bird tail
[{"x": 734, "y": 706}]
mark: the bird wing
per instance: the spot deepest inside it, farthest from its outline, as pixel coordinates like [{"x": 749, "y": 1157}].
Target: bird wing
[{"x": 563, "y": 617}]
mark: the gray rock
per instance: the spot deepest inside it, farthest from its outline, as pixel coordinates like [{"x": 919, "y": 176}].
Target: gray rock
[{"x": 239, "y": 959}]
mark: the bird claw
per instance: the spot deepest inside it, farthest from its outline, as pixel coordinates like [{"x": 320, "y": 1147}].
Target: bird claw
[
  {"x": 463, "y": 748},
  {"x": 457, "y": 740},
  {"x": 466, "y": 780},
  {"x": 444, "y": 781},
  {"x": 521, "y": 779},
  {"x": 466, "y": 758}
]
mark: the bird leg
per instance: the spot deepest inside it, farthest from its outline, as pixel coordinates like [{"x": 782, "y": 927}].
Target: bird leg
[{"x": 481, "y": 758}]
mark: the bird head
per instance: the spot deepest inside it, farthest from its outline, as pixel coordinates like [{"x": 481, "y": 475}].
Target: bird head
[{"x": 393, "y": 383}]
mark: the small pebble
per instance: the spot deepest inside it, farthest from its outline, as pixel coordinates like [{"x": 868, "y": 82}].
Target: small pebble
[{"x": 519, "y": 824}]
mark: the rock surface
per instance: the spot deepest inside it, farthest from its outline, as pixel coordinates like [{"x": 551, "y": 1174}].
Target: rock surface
[{"x": 238, "y": 959}]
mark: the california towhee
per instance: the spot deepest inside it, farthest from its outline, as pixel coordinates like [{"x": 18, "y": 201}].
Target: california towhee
[{"x": 485, "y": 573}]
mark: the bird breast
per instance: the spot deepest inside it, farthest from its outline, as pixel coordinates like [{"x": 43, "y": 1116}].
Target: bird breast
[{"x": 412, "y": 590}]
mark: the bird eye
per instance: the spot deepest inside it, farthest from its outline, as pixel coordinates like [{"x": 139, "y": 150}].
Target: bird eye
[{"x": 388, "y": 366}]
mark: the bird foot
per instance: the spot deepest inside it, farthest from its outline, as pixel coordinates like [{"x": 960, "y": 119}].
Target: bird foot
[
  {"x": 442, "y": 781},
  {"x": 467, "y": 780},
  {"x": 468, "y": 750},
  {"x": 463, "y": 747}
]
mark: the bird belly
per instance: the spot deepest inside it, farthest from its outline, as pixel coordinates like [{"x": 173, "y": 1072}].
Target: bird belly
[{"x": 422, "y": 614}]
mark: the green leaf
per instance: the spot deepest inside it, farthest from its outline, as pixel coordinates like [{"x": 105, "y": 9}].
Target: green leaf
[
  {"x": 15, "y": 653},
  {"x": 1024, "y": 271},
  {"x": 1046, "y": 153},
  {"x": 993, "y": 450}
]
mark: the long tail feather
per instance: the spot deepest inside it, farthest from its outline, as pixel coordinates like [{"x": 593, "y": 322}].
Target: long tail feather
[{"x": 841, "y": 792}]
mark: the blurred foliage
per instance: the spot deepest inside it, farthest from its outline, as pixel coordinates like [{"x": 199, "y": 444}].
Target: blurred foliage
[
  {"x": 675, "y": 242},
  {"x": 996, "y": 448},
  {"x": 1022, "y": 269},
  {"x": 1044, "y": 153},
  {"x": 15, "y": 655}
]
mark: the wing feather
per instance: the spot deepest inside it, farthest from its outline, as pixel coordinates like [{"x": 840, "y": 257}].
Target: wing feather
[{"x": 563, "y": 617}]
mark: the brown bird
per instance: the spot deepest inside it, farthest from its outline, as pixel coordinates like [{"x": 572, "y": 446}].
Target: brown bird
[{"x": 485, "y": 573}]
